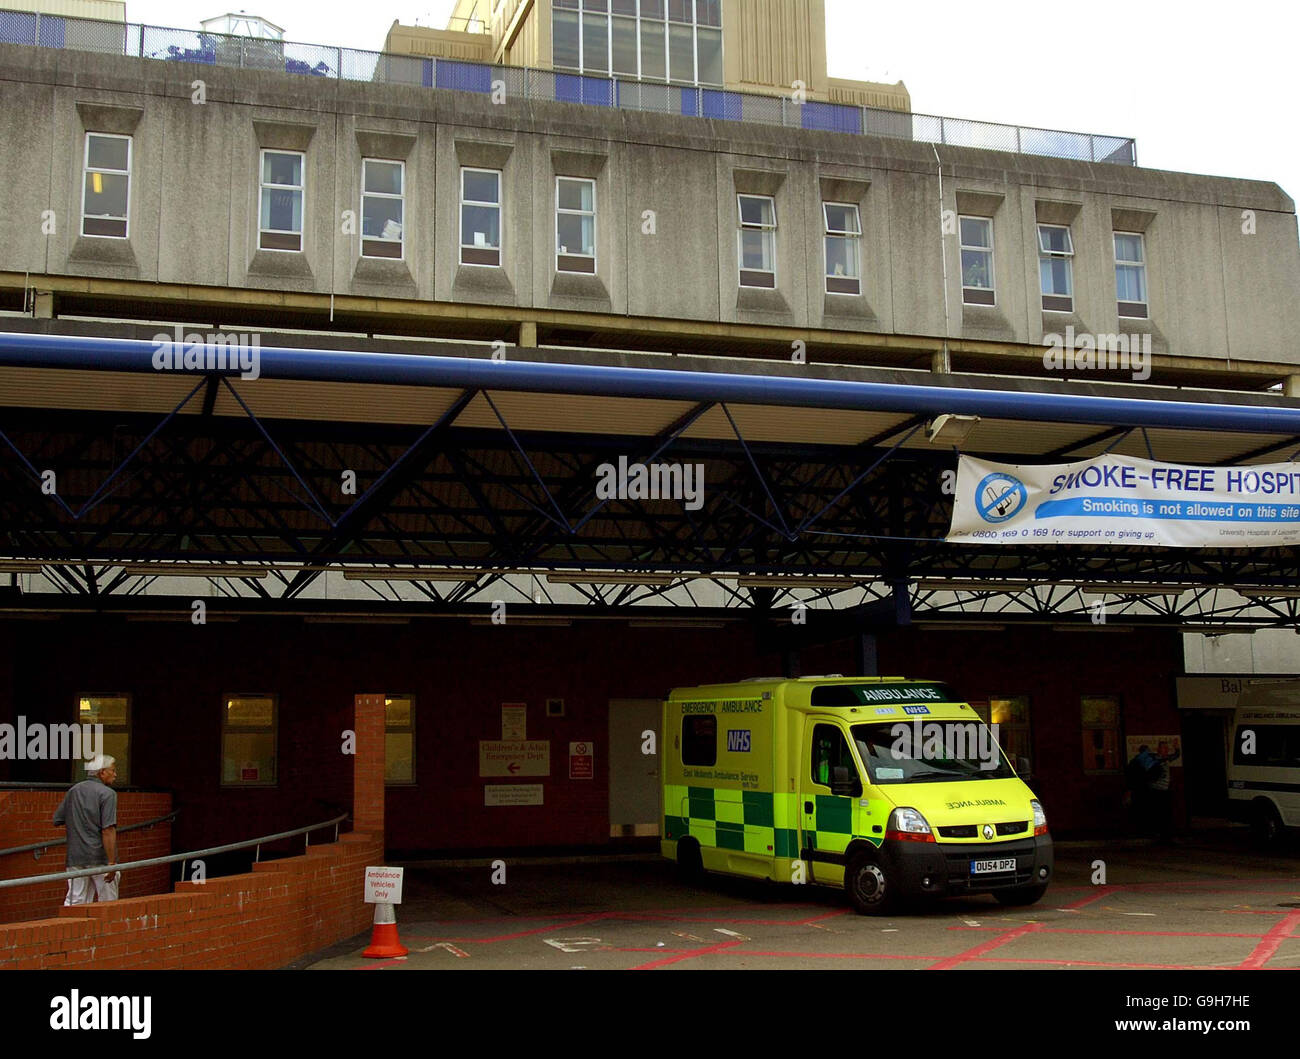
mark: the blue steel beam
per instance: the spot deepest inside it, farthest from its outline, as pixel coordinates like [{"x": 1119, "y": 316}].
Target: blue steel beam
[{"x": 404, "y": 369}]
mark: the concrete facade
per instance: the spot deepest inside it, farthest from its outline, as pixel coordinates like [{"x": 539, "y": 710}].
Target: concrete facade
[{"x": 1216, "y": 293}]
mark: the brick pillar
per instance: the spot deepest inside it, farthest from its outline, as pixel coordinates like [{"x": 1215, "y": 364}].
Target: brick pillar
[{"x": 368, "y": 765}]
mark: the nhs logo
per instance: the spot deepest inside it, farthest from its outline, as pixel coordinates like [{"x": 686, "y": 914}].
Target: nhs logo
[
  {"x": 738, "y": 740},
  {"x": 916, "y": 709}
]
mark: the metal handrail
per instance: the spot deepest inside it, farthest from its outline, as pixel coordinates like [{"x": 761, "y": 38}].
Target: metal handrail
[
  {"x": 130, "y": 38},
  {"x": 42, "y": 846},
  {"x": 104, "y": 869}
]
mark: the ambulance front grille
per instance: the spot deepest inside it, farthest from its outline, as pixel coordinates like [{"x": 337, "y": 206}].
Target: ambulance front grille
[{"x": 1012, "y": 827}]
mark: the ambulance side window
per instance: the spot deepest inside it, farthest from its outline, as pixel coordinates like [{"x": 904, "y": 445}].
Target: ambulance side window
[
  {"x": 700, "y": 740},
  {"x": 830, "y": 750}
]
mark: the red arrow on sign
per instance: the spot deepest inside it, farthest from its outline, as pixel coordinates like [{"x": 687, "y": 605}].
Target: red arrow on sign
[{"x": 513, "y": 767}]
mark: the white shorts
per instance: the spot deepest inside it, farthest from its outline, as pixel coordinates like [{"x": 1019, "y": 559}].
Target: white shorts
[{"x": 105, "y": 888}]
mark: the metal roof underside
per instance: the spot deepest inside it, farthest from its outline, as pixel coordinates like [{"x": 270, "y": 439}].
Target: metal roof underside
[{"x": 465, "y": 464}]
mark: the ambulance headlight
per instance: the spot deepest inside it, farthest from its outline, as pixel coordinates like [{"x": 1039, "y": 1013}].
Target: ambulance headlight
[
  {"x": 907, "y": 825},
  {"x": 1040, "y": 817}
]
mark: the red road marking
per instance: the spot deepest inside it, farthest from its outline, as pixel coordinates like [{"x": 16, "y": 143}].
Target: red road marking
[
  {"x": 816, "y": 919},
  {"x": 983, "y": 959},
  {"x": 687, "y": 956},
  {"x": 988, "y": 946},
  {"x": 1269, "y": 945},
  {"x": 1100, "y": 892},
  {"x": 1127, "y": 933}
]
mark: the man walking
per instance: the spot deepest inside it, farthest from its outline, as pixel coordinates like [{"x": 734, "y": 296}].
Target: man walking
[{"x": 89, "y": 811}]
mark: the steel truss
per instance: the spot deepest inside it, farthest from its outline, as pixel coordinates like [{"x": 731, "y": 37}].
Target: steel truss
[{"x": 192, "y": 486}]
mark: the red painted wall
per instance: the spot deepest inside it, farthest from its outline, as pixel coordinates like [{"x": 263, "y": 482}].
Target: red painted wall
[{"x": 461, "y": 674}]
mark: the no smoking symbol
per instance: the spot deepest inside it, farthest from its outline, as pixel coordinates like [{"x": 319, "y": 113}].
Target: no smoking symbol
[{"x": 1000, "y": 497}]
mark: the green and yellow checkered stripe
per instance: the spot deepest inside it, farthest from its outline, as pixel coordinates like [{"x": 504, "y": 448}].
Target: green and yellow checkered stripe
[{"x": 746, "y": 821}]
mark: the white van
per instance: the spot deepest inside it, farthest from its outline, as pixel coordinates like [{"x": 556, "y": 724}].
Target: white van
[{"x": 1264, "y": 762}]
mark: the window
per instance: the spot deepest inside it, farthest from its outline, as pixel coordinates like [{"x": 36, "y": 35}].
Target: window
[
  {"x": 105, "y": 203},
  {"x": 575, "y": 225},
  {"x": 700, "y": 740},
  {"x": 1276, "y": 746},
  {"x": 280, "y": 218},
  {"x": 1131, "y": 274},
  {"x": 399, "y": 740},
  {"x": 651, "y": 40},
  {"x": 382, "y": 184},
  {"x": 830, "y": 751},
  {"x": 977, "y": 260},
  {"x": 1011, "y": 715},
  {"x": 1056, "y": 268},
  {"x": 843, "y": 237},
  {"x": 248, "y": 738},
  {"x": 1100, "y": 733},
  {"x": 757, "y": 240},
  {"x": 114, "y": 713},
  {"x": 480, "y": 217}
]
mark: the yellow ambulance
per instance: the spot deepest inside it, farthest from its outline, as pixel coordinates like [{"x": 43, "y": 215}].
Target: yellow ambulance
[{"x": 889, "y": 787}]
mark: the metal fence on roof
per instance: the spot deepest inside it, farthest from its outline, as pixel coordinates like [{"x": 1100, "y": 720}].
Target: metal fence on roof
[{"x": 352, "y": 64}]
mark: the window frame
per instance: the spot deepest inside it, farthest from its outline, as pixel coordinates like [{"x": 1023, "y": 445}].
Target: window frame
[
  {"x": 769, "y": 231},
  {"x": 400, "y": 197},
  {"x": 410, "y": 730},
  {"x": 962, "y": 248},
  {"x": 646, "y": 26},
  {"x": 262, "y": 188},
  {"x": 499, "y": 250},
  {"x": 86, "y": 170},
  {"x": 692, "y": 720},
  {"x": 1054, "y": 301},
  {"x": 1117, "y": 728},
  {"x": 852, "y": 239},
  {"x": 984, "y": 709},
  {"x": 275, "y": 739},
  {"x": 1145, "y": 306},
  {"x": 593, "y": 257},
  {"x": 79, "y": 765}
]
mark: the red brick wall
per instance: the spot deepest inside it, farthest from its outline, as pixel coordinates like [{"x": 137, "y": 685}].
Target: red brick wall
[
  {"x": 25, "y": 818},
  {"x": 460, "y": 674},
  {"x": 267, "y": 918}
]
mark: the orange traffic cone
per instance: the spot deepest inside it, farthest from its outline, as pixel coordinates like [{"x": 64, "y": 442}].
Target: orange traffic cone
[{"x": 384, "y": 941}]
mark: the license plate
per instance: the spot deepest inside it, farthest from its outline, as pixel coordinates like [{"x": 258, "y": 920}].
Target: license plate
[{"x": 981, "y": 867}]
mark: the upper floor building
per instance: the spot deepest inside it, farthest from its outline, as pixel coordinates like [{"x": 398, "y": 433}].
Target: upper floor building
[
  {"x": 397, "y": 208},
  {"x": 764, "y": 46}
]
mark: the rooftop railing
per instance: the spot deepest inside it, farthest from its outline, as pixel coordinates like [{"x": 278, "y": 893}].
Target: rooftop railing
[{"x": 351, "y": 64}]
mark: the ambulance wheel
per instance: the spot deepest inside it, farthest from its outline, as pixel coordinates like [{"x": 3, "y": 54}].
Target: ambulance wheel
[
  {"x": 870, "y": 888},
  {"x": 690, "y": 862},
  {"x": 1265, "y": 825},
  {"x": 1021, "y": 895}
]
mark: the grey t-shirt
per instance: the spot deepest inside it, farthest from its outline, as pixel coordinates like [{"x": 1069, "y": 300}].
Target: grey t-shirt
[{"x": 88, "y": 808}]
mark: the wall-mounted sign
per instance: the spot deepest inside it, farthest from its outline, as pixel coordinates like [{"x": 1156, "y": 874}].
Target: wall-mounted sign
[
  {"x": 512, "y": 794},
  {"x": 514, "y": 757},
  {"x": 582, "y": 761},
  {"x": 514, "y": 720}
]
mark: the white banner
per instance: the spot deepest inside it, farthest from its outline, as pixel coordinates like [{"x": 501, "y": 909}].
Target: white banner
[{"x": 1125, "y": 500}]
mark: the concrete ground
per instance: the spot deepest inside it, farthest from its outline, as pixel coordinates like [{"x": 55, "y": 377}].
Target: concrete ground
[{"x": 1211, "y": 903}]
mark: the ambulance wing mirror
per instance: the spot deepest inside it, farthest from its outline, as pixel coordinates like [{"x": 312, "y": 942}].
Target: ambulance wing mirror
[
  {"x": 1022, "y": 767},
  {"x": 843, "y": 782}
]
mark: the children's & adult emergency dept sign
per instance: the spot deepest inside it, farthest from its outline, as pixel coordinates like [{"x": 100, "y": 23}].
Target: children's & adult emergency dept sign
[{"x": 1126, "y": 500}]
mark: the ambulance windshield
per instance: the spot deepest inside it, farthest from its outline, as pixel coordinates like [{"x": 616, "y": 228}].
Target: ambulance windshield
[{"x": 930, "y": 752}]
